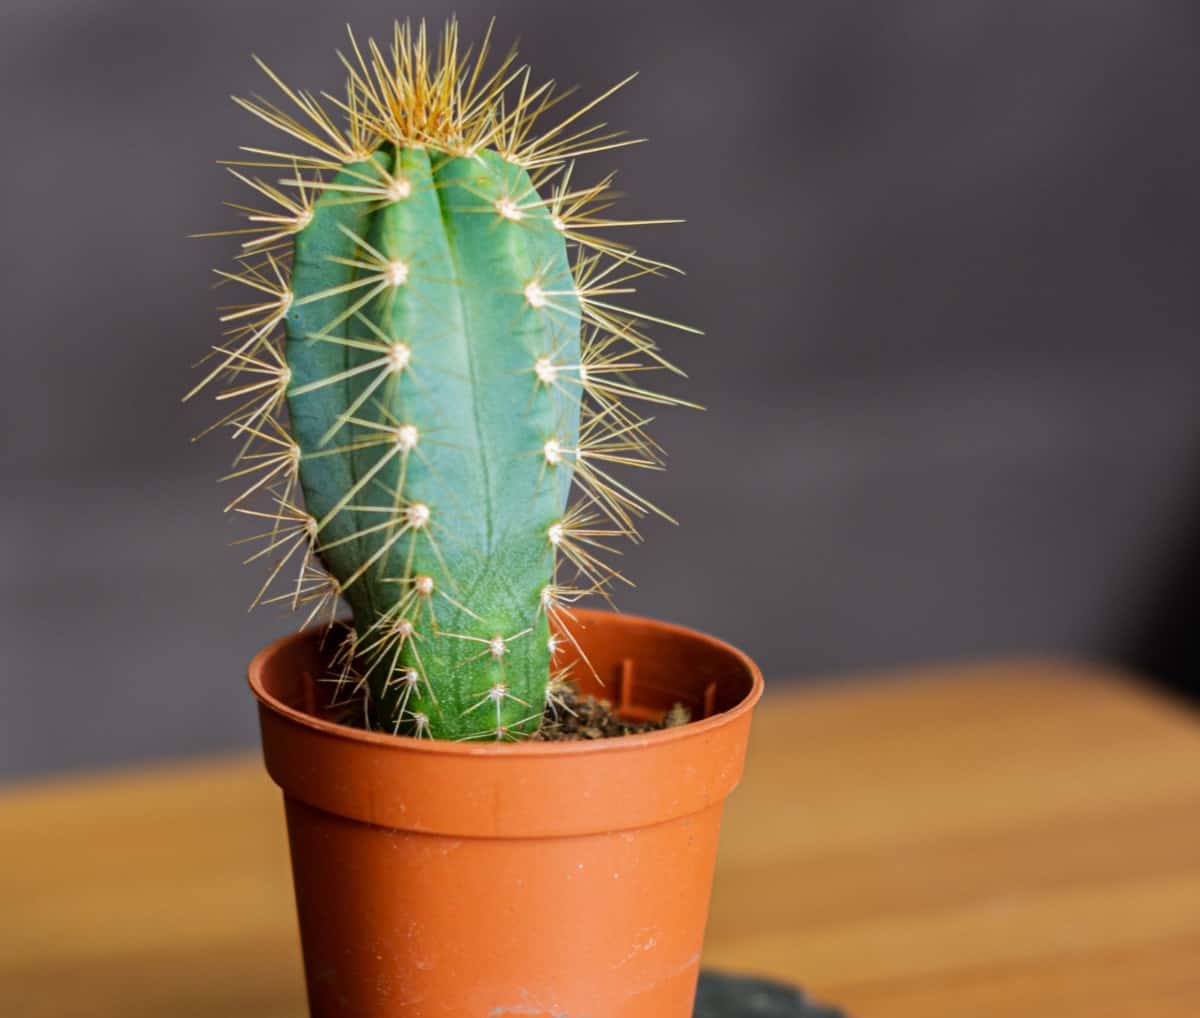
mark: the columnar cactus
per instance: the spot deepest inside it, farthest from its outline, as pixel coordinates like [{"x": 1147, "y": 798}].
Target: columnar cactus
[{"x": 453, "y": 363}]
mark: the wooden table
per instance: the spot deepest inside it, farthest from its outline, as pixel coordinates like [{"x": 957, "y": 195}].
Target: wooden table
[{"x": 1010, "y": 840}]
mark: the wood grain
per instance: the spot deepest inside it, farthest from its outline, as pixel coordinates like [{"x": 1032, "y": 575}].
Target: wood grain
[{"x": 989, "y": 841}]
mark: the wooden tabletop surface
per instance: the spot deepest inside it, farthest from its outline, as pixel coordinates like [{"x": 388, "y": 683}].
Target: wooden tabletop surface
[{"x": 984, "y": 841}]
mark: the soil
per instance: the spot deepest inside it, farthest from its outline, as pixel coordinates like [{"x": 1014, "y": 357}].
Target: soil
[{"x": 575, "y": 717}]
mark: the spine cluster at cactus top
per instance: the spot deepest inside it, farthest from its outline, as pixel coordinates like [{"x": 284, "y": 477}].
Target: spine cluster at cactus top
[{"x": 436, "y": 355}]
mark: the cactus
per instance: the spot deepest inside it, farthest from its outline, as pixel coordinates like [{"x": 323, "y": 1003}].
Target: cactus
[{"x": 435, "y": 358}]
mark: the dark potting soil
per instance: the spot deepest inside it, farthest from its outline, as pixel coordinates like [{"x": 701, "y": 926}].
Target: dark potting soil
[{"x": 572, "y": 716}]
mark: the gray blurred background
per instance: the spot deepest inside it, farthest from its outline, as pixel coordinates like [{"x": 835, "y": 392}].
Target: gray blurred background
[{"x": 944, "y": 252}]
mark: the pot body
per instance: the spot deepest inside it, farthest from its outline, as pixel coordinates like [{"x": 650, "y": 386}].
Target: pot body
[{"x": 543, "y": 880}]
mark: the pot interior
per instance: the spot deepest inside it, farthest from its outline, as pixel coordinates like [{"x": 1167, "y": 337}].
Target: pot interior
[{"x": 643, "y": 667}]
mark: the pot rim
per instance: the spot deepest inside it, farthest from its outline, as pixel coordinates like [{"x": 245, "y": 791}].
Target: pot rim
[{"x": 527, "y": 748}]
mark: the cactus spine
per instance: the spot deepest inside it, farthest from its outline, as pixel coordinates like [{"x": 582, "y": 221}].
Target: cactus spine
[{"x": 451, "y": 359}]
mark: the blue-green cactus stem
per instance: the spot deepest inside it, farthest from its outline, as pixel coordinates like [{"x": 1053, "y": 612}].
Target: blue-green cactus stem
[{"x": 426, "y": 291}]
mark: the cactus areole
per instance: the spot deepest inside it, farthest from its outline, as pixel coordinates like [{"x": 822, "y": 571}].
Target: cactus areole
[{"x": 436, "y": 381}]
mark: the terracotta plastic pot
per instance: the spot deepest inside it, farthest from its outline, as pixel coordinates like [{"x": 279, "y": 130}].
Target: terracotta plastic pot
[{"x": 541, "y": 880}]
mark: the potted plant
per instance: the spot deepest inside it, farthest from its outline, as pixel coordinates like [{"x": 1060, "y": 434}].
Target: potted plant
[{"x": 436, "y": 355}]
